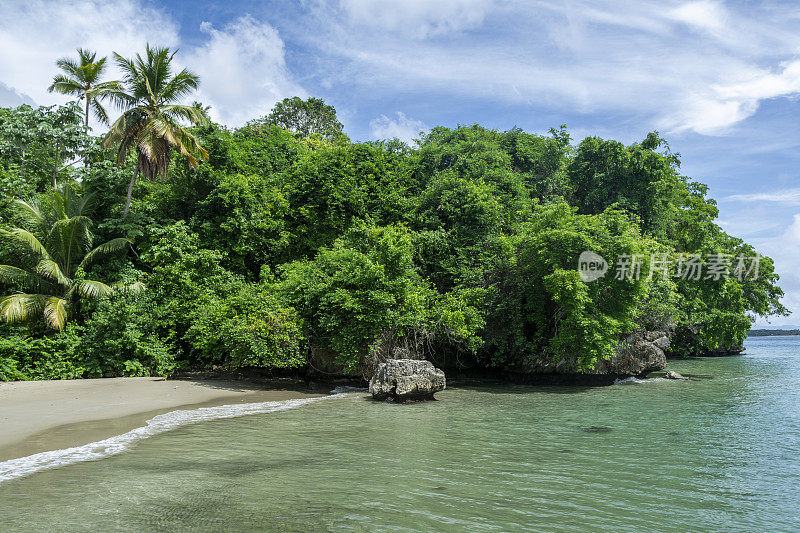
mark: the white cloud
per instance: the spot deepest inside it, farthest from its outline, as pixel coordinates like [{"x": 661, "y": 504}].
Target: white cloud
[
  {"x": 241, "y": 66},
  {"x": 242, "y": 69},
  {"x": 402, "y": 127},
  {"x": 786, "y": 196},
  {"x": 725, "y": 104},
  {"x": 417, "y": 18},
  {"x": 696, "y": 66},
  {"x": 35, "y": 33},
  {"x": 792, "y": 232},
  {"x": 704, "y": 14}
]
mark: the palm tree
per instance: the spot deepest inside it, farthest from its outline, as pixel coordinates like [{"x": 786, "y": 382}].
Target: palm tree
[
  {"x": 82, "y": 79},
  {"x": 51, "y": 257},
  {"x": 204, "y": 108},
  {"x": 150, "y": 122}
]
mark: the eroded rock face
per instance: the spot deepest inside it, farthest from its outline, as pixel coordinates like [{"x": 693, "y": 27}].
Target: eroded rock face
[
  {"x": 404, "y": 380},
  {"x": 640, "y": 353}
]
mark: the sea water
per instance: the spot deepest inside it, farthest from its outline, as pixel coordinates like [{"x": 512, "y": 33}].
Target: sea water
[{"x": 721, "y": 453}]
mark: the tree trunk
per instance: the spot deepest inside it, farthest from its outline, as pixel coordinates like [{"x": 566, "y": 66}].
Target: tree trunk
[
  {"x": 55, "y": 169},
  {"x": 130, "y": 192},
  {"x": 86, "y": 123}
]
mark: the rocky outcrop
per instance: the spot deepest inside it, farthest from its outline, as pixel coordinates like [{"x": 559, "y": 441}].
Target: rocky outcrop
[
  {"x": 406, "y": 380},
  {"x": 639, "y": 354},
  {"x": 671, "y": 374}
]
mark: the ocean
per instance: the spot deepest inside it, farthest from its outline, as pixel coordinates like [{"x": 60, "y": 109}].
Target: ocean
[{"x": 721, "y": 453}]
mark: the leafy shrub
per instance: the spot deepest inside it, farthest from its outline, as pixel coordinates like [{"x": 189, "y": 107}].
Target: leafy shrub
[
  {"x": 249, "y": 328},
  {"x": 51, "y": 356}
]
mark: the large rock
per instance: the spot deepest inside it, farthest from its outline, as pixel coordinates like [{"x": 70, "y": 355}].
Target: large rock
[
  {"x": 404, "y": 380},
  {"x": 638, "y": 354}
]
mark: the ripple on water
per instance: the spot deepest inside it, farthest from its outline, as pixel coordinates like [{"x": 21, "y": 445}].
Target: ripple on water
[{"x": 709, "y": 455}]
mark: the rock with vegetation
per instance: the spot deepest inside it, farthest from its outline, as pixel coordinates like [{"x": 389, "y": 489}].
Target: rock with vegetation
[
  {"x": 406, "y": 380},
  {"x": 639, "y": 354}
]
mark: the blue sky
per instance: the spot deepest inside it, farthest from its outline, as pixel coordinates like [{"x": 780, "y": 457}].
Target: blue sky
[{"x": 720, "y": 80}]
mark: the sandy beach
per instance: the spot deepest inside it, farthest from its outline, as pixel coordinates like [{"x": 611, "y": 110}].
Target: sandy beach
[{"x": 38, "y": 416}]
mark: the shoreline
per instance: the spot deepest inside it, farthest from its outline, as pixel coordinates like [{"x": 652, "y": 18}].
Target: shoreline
[{"x": 38, "y": 416}]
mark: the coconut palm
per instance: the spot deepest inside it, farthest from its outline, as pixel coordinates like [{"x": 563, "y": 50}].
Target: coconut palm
[
  {"x": 150, "y": 122},
  {"x": 82, "y": 79},
  {"x": 51, "y": 255}
]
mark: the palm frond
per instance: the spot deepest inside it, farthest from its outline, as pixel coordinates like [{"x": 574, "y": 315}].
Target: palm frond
[
  {"x": 21, "y": 307},
  {"x": 69, "y": 66},
  {"x": 28, "y": 240},
  {"x": 192, "y": 114},
  {"x": 93, "y": 289},
  {"x": 51, "y": 270},
  {"x": 114, "y": 245},
  {"x": 182, "y": 84},
  {"x": 55, "y": 312},
  {"x": 32, "y": 211},
  {"x": 14, "y": 275},
  {"x": 69, "y": 240},
  {"x": 64, "y": 85},
  {"x": 129, "y": 288},
  {"x": 98, "y": 110}
]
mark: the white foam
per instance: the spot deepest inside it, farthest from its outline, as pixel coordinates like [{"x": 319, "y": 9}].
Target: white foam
[
  {"x": 636, "y": 381},
  {"x": 24, "y": 466},
  {"x": 629, "y": 381},
  {"x": 343, "y": 389}
]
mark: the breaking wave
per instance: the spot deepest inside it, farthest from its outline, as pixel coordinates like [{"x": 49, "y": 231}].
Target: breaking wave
[{"x": 24, "y": 466}]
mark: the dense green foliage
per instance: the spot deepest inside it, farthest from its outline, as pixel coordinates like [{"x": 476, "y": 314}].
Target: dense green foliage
[
  {"x": 305, "y": 117},
  {"x": 303, "y": 251},
  {"x": 51, "y": 254}
]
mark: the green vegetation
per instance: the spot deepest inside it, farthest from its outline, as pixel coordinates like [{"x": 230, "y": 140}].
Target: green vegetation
[
  {"x": 285, "y": 246},
  {"x": 82, "y": 79},
  {"x": 149, "y": 125},
  {"x": 52, "y": 253}
]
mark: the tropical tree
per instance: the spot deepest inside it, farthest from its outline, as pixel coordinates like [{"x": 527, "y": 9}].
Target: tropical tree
[
  {"x": 52, "y": 254},
  {"x": 151, "y": 120},
  {"x": 82, "y": 79},
  {"x": 306, "y": 117},
  {"x": 40, "y": 145}
]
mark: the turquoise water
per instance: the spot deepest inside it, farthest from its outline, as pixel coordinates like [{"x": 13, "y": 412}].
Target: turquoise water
[{"x": 718, "y": 454}]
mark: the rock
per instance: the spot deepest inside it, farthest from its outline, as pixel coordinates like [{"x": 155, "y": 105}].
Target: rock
[
  {"x": 671, "y": 374},
  {"x": 639, "y": 354},
  {"x": 662, "y": 342},
  {"x": 404, "y": 380}
]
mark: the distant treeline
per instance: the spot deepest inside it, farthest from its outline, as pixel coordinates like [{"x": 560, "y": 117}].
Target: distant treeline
[{"x": 772, "y": 332}]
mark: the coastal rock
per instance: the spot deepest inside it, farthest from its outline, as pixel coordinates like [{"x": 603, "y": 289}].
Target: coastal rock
[
  {"x": 404, "y": 380},
  {"x": 671, "y": 374},
  {"x": 639, "y": 354}
]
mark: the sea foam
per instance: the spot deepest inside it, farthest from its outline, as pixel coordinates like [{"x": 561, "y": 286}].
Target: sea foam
[{"x": 24, "y": 466}]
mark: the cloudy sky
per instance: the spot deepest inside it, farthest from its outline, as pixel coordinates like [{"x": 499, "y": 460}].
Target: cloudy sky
[{"x": 719, "y": 79}]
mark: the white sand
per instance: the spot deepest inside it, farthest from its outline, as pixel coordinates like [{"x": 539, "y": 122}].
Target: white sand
[{"x": 45, "y": 415}]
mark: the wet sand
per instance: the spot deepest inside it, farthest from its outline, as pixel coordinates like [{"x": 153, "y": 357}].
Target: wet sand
[{"x": 38, "y": 416}]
